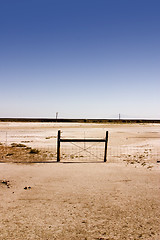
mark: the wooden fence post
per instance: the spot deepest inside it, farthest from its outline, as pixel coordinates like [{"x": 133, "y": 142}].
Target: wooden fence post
[
  {"x": 58, "y": 145},
  {"x": 105, "y": 151}
]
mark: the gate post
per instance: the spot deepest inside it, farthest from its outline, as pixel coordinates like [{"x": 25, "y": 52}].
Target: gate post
[
  {"x": 58, "y": 145},
  {"x": 105, "y": 150}
]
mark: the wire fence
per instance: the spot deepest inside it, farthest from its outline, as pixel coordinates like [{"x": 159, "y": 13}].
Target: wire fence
[
  {"x": 142, "y": 154},
  {"x": 82, "y": 151},
  {"x": 19, "y": 147},
  {"x": 27, "y": 148}
]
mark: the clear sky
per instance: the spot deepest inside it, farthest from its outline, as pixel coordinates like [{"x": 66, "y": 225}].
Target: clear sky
[{"x": 81, "y": 58}]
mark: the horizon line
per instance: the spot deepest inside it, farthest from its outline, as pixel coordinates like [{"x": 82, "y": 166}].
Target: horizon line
[{"x": 85, "y": 120}]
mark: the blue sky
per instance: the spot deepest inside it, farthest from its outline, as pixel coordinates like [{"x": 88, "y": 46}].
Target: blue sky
[{"x": 81, "y": 58}]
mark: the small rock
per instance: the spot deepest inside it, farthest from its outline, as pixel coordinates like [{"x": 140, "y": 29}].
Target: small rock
[
  {"x": 6, "y": 182},
  {"x": 27, "y": 187}
]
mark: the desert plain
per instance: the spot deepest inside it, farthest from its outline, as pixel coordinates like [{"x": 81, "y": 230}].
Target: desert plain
[{"x": 80, "y": 197}]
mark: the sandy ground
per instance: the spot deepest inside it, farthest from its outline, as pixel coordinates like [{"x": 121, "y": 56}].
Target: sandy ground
[{"x": 107, "y": 201}]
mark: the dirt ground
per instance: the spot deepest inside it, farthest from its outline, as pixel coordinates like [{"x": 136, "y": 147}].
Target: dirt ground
[{"x": 80, "y": 200}]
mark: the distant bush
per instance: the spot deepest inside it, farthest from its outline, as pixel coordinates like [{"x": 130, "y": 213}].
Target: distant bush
[
  {"x": 9, "y": 154},
  {"x": 18, "y": 145},
  {"x": 34, "y": 151}
]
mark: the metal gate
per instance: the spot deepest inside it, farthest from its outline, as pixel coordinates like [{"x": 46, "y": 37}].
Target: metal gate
[{"x": 82, "y": 148}]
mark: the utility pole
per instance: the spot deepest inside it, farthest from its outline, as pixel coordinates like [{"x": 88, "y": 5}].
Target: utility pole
[{"x": 56, "y": 115}]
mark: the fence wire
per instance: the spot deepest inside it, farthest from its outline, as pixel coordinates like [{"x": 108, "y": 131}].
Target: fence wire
[
  {"x": 27, "y": 148},
  {"x": 83, "y": 152},
  {"x": 142, "y": 154},
  {"x": 19, "y": 147}
]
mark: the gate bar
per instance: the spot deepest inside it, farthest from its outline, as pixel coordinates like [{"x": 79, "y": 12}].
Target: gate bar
[{"x": 82, "y": 140}]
